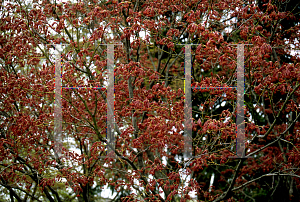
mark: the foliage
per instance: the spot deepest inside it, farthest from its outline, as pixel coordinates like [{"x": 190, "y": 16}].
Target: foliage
[{"x": 149, "y": 100}]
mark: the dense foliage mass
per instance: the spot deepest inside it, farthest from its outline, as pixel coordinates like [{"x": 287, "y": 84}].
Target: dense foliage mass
[{"x": 149, "y": 100}]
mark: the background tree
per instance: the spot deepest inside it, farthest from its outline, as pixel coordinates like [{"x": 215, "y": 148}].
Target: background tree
[{"x": 149, "y": 100}]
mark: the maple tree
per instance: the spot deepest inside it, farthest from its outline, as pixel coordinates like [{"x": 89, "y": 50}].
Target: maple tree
[{"x": 149, "y": 100}]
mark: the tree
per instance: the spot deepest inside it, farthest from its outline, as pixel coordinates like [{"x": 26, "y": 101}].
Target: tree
[{"x": 149, "y": 100}]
